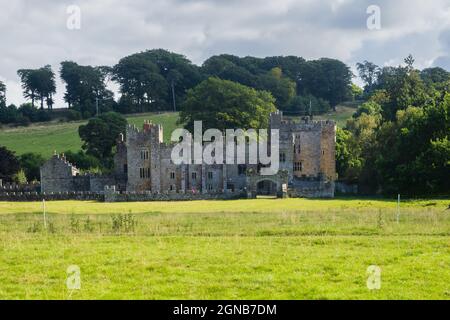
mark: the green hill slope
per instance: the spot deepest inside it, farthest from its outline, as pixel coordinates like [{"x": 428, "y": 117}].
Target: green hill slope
[{"x": 46, "y": 138}]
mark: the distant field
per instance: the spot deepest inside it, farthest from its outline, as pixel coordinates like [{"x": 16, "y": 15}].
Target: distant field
[
  {"x": 243, "y": 249},
  {"x": 46, "y": 138},
  {"x": 343, "y": 112}
]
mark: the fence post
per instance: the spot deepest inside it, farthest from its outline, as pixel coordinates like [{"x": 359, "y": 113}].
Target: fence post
[{"x": 45, "y": 215}]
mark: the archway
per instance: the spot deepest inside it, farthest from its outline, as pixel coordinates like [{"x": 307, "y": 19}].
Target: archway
[{"x": 267, "y": 188}]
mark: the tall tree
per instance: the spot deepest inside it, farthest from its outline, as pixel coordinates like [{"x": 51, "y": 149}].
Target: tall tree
[
  {"x": 369, "y": 73},
  {"x": 328, "y": 79},
  {"x": 155, "y": 79},
  {"x": 403, "y": 87},
  {"x": 2, "y": 94},
  {"x": 86, "y": 86},
  {"x": 99, "y": 135},
  {"x": 282, "y": 88},
  {"x": 38, "y": 84},
  {"x": 9, "y": 164},
  {"x": 225, "y": 104}
]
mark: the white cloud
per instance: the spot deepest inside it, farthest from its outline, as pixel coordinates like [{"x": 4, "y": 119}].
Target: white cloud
[{"x": 36, "y": 32}]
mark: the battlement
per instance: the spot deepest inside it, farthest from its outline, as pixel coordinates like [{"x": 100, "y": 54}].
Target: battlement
[
  {"x": 149, "y": 129},
  {"x": 61, "y": 159},
  {"x": 277, "y": 120}
]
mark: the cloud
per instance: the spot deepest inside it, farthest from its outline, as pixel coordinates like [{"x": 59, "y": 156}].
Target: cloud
[{"x": 110, "y": 29}]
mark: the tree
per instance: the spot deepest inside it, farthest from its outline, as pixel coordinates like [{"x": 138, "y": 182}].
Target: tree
[
  {"x": 146, "y": 79},
  {"x": 402, "y": 87},
  {"x": 100, "y": 134},
  {"x": 369, "y": 73},
  {"x": 31, "y": 164},
  {"x": 38, "y": 84},
  {"x": 228, "y": 67},
  {"x": 224, "y": 104},
  {"x": 357, "y": 92},
  {"x": 85, "y": 87},
  {"x": 137, "y": 77},
  {"x": 82, "y": 160},
  {"x": 2, "y": 94},
  {"x": 9, "y": 164},
  {"x": 348, "y": 158},
  {"x": 328, "y": 79},
  {"x": 307, "y": 105},
  {"x": 369, "y": 107},
  {"x": 434, "y": 76},
  {"x": 282, "y": 88},
  {"x": 30, "y": 83}
]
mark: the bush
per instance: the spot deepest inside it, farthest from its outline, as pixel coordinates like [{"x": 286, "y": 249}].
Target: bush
[
  {"x": 82, "y": 161},
  {"x": 31, "y": 164},
  {"x": 73, "y": 115}
]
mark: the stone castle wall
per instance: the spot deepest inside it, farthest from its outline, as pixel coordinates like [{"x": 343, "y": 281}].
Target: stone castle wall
[{"x": 143, "y": 166}]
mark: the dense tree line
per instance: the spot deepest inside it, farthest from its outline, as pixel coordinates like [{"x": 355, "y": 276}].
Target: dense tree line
[
  {"x": 398, "y": 141},
  {"x": 156, "y": 80}
]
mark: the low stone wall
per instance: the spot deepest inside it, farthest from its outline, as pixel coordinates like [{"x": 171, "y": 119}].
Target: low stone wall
[
  {"x": 35, "y": 196},
  {"x": 14, "y": 187},
  {"x": 131, "y": 197},
  {"x": 326, "y": 190},
  {"x": 345, "y": 188}
]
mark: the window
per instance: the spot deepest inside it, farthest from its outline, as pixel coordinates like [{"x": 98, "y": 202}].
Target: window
[
  {"x": 242, "y": 168},
  {"x": 144, "y": 173},
  {"x": 125, "y": 168},
  {"x": 144, "y": 154},
  {"x": 297, "y": 166},
  {"x": 209, "y": 187},
  {"x": 210, "y": 175},
  {"x": 171, "y": 187},
  {"x": 297, "y": 148},
  {"x": 323, "y": 152},
  {"x": 194, "y": 175},
  {"x": 282, "y": 157},
  {"x": 172, "y": 175}
]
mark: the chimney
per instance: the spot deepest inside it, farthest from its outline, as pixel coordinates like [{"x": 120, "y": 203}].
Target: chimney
[{"x": 146, "y": 126}]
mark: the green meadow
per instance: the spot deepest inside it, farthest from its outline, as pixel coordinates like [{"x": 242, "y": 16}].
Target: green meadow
[
  {"x": 45, "y": 138},
  {"x": 242, "y": 249}
]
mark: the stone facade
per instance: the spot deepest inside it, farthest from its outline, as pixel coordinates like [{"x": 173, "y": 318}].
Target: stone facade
[{"x": 144, "y": 169}]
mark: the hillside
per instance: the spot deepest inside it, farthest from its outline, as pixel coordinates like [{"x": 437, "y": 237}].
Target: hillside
[
  {"x": 342, "y": 113},
  {"x": 45, "y": 138}
]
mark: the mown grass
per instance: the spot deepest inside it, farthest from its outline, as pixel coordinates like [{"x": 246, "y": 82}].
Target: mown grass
[
  {"x": 45, "y": 138},
  {"x": 245, "y": 249}
]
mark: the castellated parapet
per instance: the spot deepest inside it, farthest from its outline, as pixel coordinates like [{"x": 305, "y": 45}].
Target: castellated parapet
[{"x": 143, "y": 167}]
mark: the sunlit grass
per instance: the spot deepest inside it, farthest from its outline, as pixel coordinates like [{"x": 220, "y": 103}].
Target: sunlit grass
[{"x": 245, "y": 249}]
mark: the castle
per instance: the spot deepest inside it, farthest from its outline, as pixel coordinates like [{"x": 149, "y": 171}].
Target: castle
[{"x": 143, "y": 169}]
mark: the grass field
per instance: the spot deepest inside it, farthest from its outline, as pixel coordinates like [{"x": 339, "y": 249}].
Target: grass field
[
  {"x": 45, "y": 138},
  {"x": 243, "y": 249},
  {"x": 341, "y": 115}
]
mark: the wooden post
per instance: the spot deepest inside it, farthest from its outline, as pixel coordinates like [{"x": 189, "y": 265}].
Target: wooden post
[{"x": 45, "y": 216}]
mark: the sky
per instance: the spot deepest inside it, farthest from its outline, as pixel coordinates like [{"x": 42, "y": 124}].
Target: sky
[{"x": 37, "y": 33}]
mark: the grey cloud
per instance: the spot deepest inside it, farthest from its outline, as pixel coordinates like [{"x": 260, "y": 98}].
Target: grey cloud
[{"x": 37, "y": 34}]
